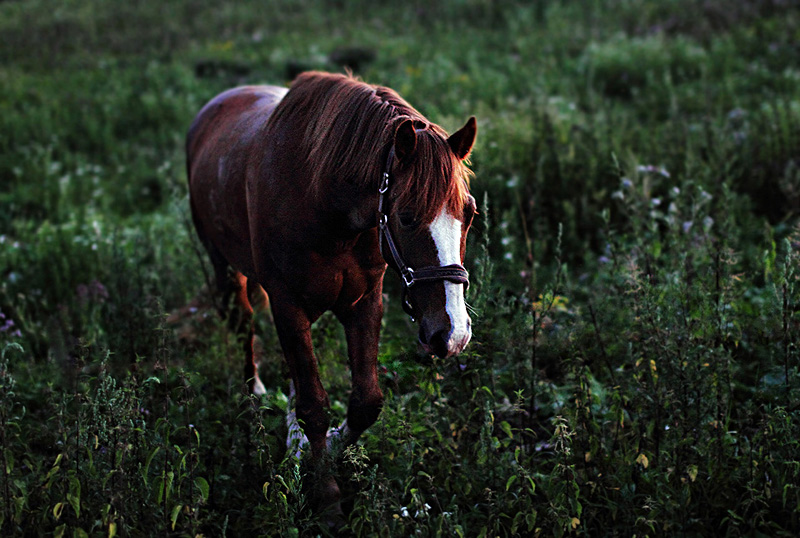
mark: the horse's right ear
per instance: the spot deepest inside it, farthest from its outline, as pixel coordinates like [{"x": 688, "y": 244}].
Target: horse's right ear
[
  {"x": 405, "y": 140},
  {"x": 462, "y": 140}
]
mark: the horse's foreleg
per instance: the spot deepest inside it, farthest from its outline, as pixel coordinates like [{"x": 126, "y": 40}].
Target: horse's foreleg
[
  {"x": 296, "y": 440},
  {"x": 362, "y": 325},
  {"x": 311, "y": 400}
]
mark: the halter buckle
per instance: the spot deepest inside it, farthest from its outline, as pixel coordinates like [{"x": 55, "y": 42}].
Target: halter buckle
[
  {"x": 384, "y": 184},
  {"x": 408, "y": 277}
]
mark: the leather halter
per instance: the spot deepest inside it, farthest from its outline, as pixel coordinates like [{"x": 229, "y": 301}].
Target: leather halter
[{"x": 455, "y": 273}]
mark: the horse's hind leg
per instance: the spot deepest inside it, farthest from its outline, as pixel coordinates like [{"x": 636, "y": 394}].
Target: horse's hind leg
[
  {"x": 229, "y": 284},
  {"x": 245, "y": 290}
]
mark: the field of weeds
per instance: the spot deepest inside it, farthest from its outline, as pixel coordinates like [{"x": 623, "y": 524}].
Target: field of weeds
[{"x": 634, "y": 368}]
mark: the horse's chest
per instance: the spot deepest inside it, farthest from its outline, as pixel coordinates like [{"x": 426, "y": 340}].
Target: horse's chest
[{"x": 326, "y": 279}]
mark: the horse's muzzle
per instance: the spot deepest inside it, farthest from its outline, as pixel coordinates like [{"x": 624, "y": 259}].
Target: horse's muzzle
[{"x": 447, "y": 342}]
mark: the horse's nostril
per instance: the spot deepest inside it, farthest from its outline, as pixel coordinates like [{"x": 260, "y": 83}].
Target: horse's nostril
[
  {"x": 421, "y": 336},
  {"x": 438, "y": 343}
]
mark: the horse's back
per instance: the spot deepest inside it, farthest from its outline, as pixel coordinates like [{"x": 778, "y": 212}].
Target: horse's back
[
  {"x": 246, "y": 107},
  {"x": 221, "y": 144}
]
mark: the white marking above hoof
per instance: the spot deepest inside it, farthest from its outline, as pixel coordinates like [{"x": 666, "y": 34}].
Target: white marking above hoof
[
  {"x": 339, "y": 435},
  {"x": 296, "y": 440},
  {"x": 258, "y": 387}
]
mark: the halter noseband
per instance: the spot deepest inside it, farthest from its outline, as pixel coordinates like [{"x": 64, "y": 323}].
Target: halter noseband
[{"x": 453, "y": 273}]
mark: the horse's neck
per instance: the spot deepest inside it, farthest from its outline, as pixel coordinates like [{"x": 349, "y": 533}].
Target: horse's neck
[{"x": 351, "y": 208}]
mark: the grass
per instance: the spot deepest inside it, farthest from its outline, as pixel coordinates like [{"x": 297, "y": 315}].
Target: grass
[{"x": 634, "y": 364}]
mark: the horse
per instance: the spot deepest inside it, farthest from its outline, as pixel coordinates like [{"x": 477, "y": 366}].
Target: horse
[{"x": 306, "y": 195}]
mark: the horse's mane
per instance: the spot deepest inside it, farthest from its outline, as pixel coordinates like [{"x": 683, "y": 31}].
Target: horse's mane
[{"x": 347, "y": 127}]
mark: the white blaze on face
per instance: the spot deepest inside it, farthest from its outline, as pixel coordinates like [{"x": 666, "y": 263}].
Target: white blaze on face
[{"x": 446, "y": 233}]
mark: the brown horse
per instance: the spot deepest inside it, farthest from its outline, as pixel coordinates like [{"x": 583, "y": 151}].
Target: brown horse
[{"x": 307, "y": 194}]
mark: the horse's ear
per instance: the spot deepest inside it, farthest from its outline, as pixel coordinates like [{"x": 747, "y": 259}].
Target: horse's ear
[
  {"x": 462, "y": 140},
  {"x": 405, "y": 140}
]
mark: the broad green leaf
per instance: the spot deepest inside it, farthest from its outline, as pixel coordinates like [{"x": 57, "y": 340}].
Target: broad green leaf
[
  {"x": 57, "y": 509},
  {"x": 510, "y": 481},
  {"x": 202, "y": 485},
  {"x": 175, "y": 513}
]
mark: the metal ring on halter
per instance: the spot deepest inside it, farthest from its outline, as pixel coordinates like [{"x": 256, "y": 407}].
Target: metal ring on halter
[
  {"x": 384, "y": 183},
  {"x": 408, "y": 277}
]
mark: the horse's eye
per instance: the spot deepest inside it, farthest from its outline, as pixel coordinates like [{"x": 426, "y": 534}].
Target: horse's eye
[
  {"x": 469, "y": 211},
  {"x": 407, "y": 220}
]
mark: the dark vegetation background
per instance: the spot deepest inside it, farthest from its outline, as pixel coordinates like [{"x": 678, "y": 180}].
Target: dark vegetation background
[{"x": 634, "y": 367}]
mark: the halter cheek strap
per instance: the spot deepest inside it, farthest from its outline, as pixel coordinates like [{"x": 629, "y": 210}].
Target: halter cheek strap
[{"x": 455, "y": 273}]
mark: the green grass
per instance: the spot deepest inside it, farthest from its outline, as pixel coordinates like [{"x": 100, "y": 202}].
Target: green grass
[{"x": 634, "y": 368}]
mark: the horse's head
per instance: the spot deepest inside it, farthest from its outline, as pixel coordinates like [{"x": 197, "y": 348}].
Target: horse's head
[{"x": 427, "y": 216}]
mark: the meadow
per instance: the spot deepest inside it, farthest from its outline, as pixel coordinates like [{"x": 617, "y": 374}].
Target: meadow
[{"x": 635, "y": 362}]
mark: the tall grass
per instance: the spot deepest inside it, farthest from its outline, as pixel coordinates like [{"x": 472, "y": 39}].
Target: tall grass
[{"x": 635, "y": 297}]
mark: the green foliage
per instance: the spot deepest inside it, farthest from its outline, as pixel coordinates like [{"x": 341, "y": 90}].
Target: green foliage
[{"x": 634, "y": 368}]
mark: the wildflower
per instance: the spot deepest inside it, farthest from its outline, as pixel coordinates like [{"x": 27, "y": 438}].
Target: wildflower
[
  {"x": 82, "y": 291},
  {"x": 736, "y": 114},
  {"x": 652, "y": 169},
  {"x": 8, "y": 326},
  {"x": 655, "y": 202},
  {"x": 95, "y": 292},
  {"x": 423, "y": 510},
  {"x": 687, "y": 225},
  {"x": 617, "y": 195},
  {"x": 627, "y": 183}
]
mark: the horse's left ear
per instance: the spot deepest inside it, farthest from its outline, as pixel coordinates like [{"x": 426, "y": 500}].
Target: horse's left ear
[{"x": 462, "y": 140}]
